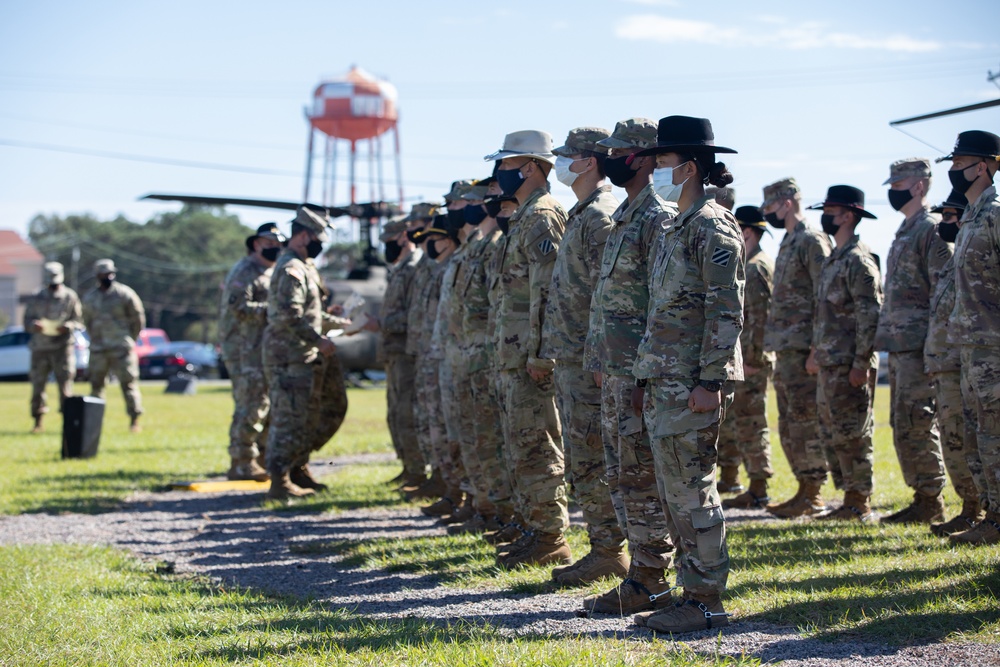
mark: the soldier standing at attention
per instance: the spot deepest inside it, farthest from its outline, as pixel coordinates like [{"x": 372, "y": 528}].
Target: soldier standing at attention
[
  {"x": 916, "y": 257},
  {"x": 531, "y": 425},
  {"x": 689, "y": 351},
  {"x": 308, "y": 397},
  {"x": 789, "y": 334},
  {"x": 52, "y": 351},
  {"x": 567, "y": 320},
  {"x": 114, "y": 316},
  {"x": 245, "y": 304},
  {"x": 975, "y": 323},
  {"x": 617, "y": 321},
  {"x": 744, "y": 435},
  {"x": 848, "y": 300}
]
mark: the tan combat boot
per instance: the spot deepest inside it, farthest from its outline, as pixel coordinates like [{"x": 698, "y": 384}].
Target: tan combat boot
[
  {"x": 134, "y": 427},
  {"x": 432, "y": 487},
  {"x": 643, "y": 589},
  {"x": 246, "y": 469},
  {"x": 856, "y": 507},
  {"x": 809, "y": 503},
  {"x": 523, "y": 540},
  {"x": 446, "y": 504},
  {"x": 462, "y": 513},
  {"x": 544, "y": 549},
  {"x": 508, "y": 533},
  {"x": 599, "y": 563},
  {"x": 777, "y": 507},
  {"x": 302, "y": 476},
  {"x": 970, "y": 516},
  {"x": 477, "y": 524},
  {"x": 986, "y": 531},
  {"x": 923, "y": 509},
  {"x": 690, "y": 615},
  {"x": 282, "y": 488},
  {"x": 753, "y": 498},
  {"x": 38, "y": 425},
  {"x": 729, "y": 480}
]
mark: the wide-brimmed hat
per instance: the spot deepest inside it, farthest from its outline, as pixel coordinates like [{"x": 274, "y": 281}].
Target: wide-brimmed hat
[
  {"x": 422, "y": 211},
  {"x": 269, "y": 230},
  {"x": 477, "y": 191},
  {"x": 977, "y": 143},
  {"x": 847, "y": 196},
  {"x": 54, "y": 274},
  {"x": 582, "y": 139},
  {"x": 525, "y": 143},
  {"x": 676, "y": 134},
  {"x": 458, "y": 188},
  {"x": 750, "y": 216},
  {"x": 102, "y": 266},
  {"x": 955, "y": 200},
  {"x": 314, "y": 218}
]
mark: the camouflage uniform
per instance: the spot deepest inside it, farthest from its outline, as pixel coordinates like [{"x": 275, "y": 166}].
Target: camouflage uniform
[
  {"x": 617, "y": 322},
  {"x": 693, "y": 334},
  {"x": 52, "y": 354},
  {"x": 531, "y": 425},
  {"x": 416, "y": 312},
  {"x": 229, "y": 345},
  {"x": 429, "y": 379},
  {"x": 848, "y": 297},
  {"x": 308, "y": 396},
  {"x": 916, "y": 257},
  {"x": 744, "y": 435},
  {"x": 114, "y": 318},
  {"x": 564, "y": 332},
  {"x": 976, "y": 327}
]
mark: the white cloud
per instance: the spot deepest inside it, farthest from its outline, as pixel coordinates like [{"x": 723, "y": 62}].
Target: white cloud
[
  {"x": 654, "y": 3},
  {"x": 809, "y": 35}
]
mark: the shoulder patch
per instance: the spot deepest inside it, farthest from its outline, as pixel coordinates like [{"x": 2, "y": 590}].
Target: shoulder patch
[
  {"x": 869, "y": 279},
  {"x": 721, "y": 256},
  {"x": 723, "y": 259},
  {"x": 545, "y": 246},
  {"x": 944, "y": 252},
  {"x": 296, "y": 273}
]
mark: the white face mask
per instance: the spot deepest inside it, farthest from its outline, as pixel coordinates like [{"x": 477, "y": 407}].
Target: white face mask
[
  {"x": 563, "y": 174},
  {"x": 663, "y": 183}
]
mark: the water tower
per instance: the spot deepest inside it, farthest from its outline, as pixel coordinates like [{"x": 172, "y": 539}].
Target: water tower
[{"x": 358, "y": 109}]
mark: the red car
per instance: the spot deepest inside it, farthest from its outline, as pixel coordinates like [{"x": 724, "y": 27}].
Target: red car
[{"x": 150, "y": 339}]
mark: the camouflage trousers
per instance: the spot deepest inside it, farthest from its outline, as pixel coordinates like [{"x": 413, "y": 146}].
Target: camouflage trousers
[
  {"x": 951, "y": 424},
  {"x": 797, "y": 419},
  {"x": 248, "y": 433},
  {"x": 230, "y": 354},
  {"x": 579, "y": 401},
  {"x": 59, "y": 363},
  {"x": 914, "y": 431},
  {"x": 847, "y": 421},
  {"x": 123, "y": 362},
  {"x": 449, "y": 450},
  {"x": 308, "y": 405},
  {"x": 488, "y": 444},
  {"x": 685, "y": 451},
  {"x": 430, "y": 430},
  {"x": 401, "y": 395},
  {"x": 534, "y": 444},
  {"x": 518, "y": 502},
  {"x": 744, "y": 436},
  {"x": 631, "y": 475},
  {"x": 981, "y": 391}
]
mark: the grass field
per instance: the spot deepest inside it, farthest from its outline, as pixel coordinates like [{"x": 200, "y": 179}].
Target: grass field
[{"x": 74, "y": 605}]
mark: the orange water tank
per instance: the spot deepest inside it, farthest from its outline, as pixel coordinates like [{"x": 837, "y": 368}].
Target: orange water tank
[{"x": 359, "y": 106}]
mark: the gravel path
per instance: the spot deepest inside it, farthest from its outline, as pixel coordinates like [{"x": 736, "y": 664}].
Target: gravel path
[{"x": 229, "y": 537}]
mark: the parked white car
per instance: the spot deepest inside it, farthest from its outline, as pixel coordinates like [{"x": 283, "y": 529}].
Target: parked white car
[{"x": 15, "y": 356}]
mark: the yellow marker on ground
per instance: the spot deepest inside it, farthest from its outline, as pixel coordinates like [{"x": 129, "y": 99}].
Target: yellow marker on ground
[{"x": 221, "y": 485}]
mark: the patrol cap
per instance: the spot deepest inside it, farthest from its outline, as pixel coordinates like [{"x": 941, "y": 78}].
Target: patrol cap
[
  {"x": 750, "y": 216},
  {"x": 847, "y": 196},
  {"x": 907, "y": 167},
  {"x": 977, "y": 143},
  {"x": 526, "y": 143},
  {"x": 637, "y": 133},
  {"x": 786, "y": 188},
  {"x": 583, "y": 139},
  {"x": 314, "y": 218},
  {"x": 421, "y": 211},
  {"x": 393, "y": 228},
  {"x": 458, "y": 188},
  {"x": 955, "y": 200},
  {"x": 477, "y": 191},
  {"x": 102, "y": 266},
  {"x": 54, "y": 273}
]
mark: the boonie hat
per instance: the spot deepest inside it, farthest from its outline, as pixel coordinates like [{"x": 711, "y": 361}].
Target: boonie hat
[{"x": 526, "y": 143}]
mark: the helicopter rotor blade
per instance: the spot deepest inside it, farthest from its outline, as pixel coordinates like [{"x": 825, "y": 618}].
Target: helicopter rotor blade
[
  {"x": 947, "y": 112},
  {"x": 365, "y": 210}
]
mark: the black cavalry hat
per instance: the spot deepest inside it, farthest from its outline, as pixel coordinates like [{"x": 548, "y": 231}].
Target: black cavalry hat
[
  {"x": 955, "y": 200},
  {"x": 847, "y": 196},
  {"x": 684, "y": 133},
  {"x": 750, "y": 216},
  {"x": 267, "y": 230},
  {"x": 976, "y": 143}
]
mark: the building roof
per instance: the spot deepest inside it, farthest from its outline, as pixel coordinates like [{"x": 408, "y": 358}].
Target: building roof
[{"x": 14, "y": 251}]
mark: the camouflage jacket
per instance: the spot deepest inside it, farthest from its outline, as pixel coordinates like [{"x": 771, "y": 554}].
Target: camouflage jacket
[
  {"x": 939, "y": 354},
  {"x": 296, "y": 317},
  {"x": 416, "y": 309},
  {"x": 113, "y": 318},
  {"x": 793, "y": 300},
  {"x": 228, "y": 327},
  {"x": 394, "y": 315},
  {"x": 621, "y": 295},
  {"x": 430, "y": 343},
  {"x": 915, "y": 259},
  {"x": 527, "y": 254},
  {"x": 473, "y": 292},
  {"x": 493, "y": 293},
  {"x": 847, "y": 308},
  {"x": 696, "y": 299},
  {"x": 976, "y": 316},
  {"x": 574, "y": 274},
  {"x": 246, "y": 302},
  {"x": 449, "y": 324},
  {"x": 756, "y": 305},
  {"x": 61, "y": 305}
]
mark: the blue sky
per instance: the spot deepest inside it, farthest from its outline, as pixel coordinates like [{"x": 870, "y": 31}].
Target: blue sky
[{"x": 802, "y": 89}]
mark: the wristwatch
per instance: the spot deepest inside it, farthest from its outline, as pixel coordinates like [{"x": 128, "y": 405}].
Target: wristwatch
[
  {"x": 641, "y": 383},
  {"x": 710, "y": 385}
]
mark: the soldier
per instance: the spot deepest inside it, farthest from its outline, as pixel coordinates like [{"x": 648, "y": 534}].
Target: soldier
[
  {"x": 690, "y": 349},
  {"x": 531, "y": 425},
  {"x": 943, "y": 364},
  {"x": 847, "y": 309},
  {"x": 52, "y": 315},
  {"x": 621, "y": 296},
  {"x": 744, "y": 435},
  {"x": 724, "y": 197},
  {"x": 579, "y": 165},
  {"x": 789, "y": 334},
  {"x": 974, "y": 321},
  {"x": 113, "y": 315},
  {"x": 244, "y": 303},
  {"x": 916, "y": 257},
  {"x": 308, "y": 397}
]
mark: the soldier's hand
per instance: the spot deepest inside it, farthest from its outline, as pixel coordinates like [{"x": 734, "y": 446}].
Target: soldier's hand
[
  {"x": 811, "y": 366},
  {"x": 638, "y": 394},
  {"x": 749, "y": 370},
  {"x": 326, "y": 347},
  {"x": 63, "y": 329},
  {"x": 372, "y": 324},
  {"x": 703, "y": 400},
  {"x": 36, "y": 326},
  {"x": 335, "y": 309},
  {"x": 537, "y": 374},
  {"x": 598, "y": 379},
  {"x": 857, "y": 377}
]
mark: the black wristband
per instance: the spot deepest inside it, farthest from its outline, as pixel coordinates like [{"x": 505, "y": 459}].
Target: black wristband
[
  {"x": 710, "y": 385},
  {"x": 641, "y": 383}
]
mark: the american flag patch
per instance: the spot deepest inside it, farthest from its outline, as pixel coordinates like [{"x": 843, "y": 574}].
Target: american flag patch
[
  {"x": 545, "y": 246},
  {"x": 721, "y": 256}
]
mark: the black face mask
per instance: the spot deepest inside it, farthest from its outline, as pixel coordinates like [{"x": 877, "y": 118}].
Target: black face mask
[
  {"x": 314, "y": 249},
  {"x": 509, "y": 180},
  {"x": 899, "y": 198},
  {"x": 432, "y": 250},
  {"x": 270, "y": 254},
  {"x": 958, "y": 180},
  {"x": 53, "y": 288},
  {"x": 106, "y": 282},
  {"x": 503, "y": 223},
  {"x": 456, "y": 218},
  {"x": 474, "y": 214},
  {"x": 826, "y": 222},
  {"x": 617, "y": 171},
  {"x": 948, "y": 231},
  {"x": 492, "y": 208},
  {"x": 392, "y": 251},
  {"x": 773, "y": 220}
]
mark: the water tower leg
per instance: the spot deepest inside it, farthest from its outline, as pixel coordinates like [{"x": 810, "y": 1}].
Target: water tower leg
[
  {"x": 333, "y": 173},
  {"x": 371, "y": 170},
  {"x": 399, "y": 167},
  {"x": 309, "y": 162},
  {"x": 326, "y": 171},
  {"x": 354, "y": 155},
  {"x": 381, "y": 182}
]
